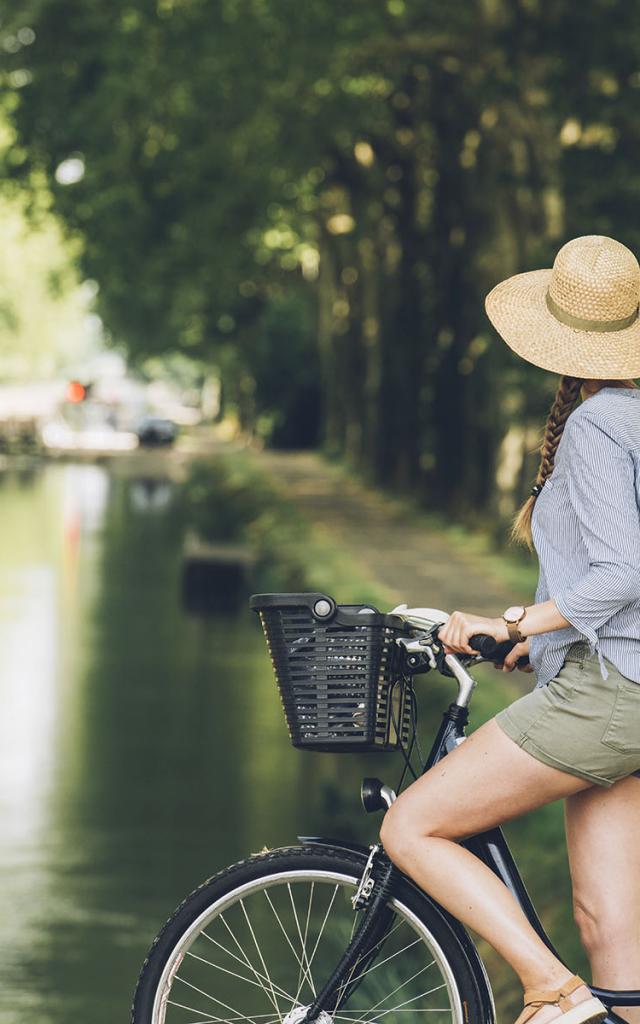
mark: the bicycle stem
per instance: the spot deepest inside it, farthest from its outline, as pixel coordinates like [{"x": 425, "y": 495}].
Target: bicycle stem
[{"x": 466, "y": 682}]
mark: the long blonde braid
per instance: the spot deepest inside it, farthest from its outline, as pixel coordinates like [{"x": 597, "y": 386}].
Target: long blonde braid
[{"x": 565, "y": 399}]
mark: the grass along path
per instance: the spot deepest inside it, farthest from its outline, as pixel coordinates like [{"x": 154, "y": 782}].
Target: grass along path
[{"x": 412, "y": 555}]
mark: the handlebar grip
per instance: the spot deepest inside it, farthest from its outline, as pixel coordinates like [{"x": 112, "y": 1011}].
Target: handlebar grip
[{"x": 490, "y": 649}]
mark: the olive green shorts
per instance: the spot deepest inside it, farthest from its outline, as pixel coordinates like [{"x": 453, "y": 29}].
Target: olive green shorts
[{"x": 579, "y": 722}]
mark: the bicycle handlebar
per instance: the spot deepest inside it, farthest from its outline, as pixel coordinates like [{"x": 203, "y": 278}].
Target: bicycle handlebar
[
  {"x": 417, "y": 660},
  {"x": 489, "y": 648}
]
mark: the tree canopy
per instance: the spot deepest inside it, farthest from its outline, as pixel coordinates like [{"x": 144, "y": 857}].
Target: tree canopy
[{"x": 317, "y": 198}]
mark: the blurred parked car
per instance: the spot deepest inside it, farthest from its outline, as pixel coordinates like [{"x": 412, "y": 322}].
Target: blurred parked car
[{"x": 155, "y": 430}]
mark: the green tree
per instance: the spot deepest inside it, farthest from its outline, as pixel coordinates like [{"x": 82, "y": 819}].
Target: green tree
[{"x": 377, "y": 168}]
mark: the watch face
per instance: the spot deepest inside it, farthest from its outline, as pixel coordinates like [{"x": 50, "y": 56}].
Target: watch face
[{"x": 515, "y": 612}]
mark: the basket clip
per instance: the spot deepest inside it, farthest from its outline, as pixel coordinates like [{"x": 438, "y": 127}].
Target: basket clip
[{"x": 366, "y": 883}]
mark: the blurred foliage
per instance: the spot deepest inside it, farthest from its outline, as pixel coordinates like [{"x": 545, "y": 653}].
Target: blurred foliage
[
  {"x": 230, "y": 498},
  {"x": 225, "y": 495},
  {"x": 227, "y": 499},
  {"x": 286, "y": 416},
  {"x": 46, "y": 319},
  {"x": 267, "y": 185}
]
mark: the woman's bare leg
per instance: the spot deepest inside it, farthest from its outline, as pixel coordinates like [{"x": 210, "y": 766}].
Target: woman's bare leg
[
  {"x": 486, "y": 780},
  {"x": 603, "y": 842}
]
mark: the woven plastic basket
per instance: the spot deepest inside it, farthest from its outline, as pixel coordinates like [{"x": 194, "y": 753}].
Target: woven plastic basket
[{"x": 337, "y": 672}]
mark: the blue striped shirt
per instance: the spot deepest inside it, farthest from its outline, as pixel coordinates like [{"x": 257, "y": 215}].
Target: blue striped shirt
[{"x": 586, "y": 532}]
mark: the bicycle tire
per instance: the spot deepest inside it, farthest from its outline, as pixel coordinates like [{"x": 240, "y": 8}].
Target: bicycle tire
[{"x": 271, "y": 872}]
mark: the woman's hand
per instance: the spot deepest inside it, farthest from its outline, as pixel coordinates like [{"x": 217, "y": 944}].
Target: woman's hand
[
  {"x": 455, "y": 632},
  {"x": 511, "y": 658}
]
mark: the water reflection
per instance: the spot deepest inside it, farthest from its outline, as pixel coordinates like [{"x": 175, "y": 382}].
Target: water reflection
[
  {"x": 141, "y": 748},
  {"x": 149, "y": 493}
]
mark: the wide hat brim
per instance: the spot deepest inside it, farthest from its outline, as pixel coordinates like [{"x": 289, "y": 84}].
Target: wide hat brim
[{"x": 518, "y": 310}]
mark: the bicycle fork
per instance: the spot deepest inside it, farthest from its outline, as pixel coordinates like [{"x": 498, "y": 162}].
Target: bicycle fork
[{"x": 372, "y": 893}]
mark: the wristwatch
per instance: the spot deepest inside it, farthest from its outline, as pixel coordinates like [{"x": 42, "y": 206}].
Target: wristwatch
[{"x": 512, "y": 616}]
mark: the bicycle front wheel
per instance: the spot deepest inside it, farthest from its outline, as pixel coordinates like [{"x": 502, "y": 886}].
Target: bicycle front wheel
[{"x": 255, "y": 944}]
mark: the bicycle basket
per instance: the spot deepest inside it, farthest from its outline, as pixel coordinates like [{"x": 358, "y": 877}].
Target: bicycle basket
[{"x": 337, "y": 670}]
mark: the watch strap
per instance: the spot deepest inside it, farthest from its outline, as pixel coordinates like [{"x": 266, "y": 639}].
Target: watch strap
[{"x": 515, "y": 635}]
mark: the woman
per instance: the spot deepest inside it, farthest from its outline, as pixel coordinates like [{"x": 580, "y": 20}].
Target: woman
[{"x": 576, "y": 734}]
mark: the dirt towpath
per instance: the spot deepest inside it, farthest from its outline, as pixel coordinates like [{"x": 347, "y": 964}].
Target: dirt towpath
[{"x": 414, "y": 560}]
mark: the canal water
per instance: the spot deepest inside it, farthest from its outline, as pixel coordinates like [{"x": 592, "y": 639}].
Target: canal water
[{"x": 142, "y": 746}]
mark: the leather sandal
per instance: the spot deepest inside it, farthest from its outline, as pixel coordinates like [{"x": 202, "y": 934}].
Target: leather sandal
[{"x": 589, "y": 1009}]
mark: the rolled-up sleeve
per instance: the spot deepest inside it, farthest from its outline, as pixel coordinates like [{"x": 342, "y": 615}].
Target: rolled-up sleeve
[{"x": 602, "y": 491}]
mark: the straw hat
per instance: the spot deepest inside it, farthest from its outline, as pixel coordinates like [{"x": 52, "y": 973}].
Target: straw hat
[{"x": 580, "y": 317}]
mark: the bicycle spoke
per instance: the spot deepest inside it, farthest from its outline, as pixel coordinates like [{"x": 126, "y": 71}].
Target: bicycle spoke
[
  {"x": 261, "y": 977},
  {"x": 380, "y": 963},
  {"x": 248, "y": 981},
  {"x": 362, "y": 956},
  {"x": 210, "y": 1017},
  {"x": 192, "y": 1009},
  {"x": 397, "y": 989},
  {"x": 338, "y": 1016},
  {"x": 396, "y": 1009},
  {"x": 245, "y": 962},
  {"x": 386, "y": 936},
  {"x": 266, "y": 971},
  {"x": 357, "y": 917},
  {"x": 214, "y": 999},
  {"x": 224, "y": 1020},
  {"x": 322, "y": 927},
  {"x": 284, "y": 932},
  {"x": 393, "y": 1010},
  {"x": 302, "y": 941}
]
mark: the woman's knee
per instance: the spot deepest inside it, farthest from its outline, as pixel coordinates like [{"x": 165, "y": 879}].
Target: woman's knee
[
  {"x": 587, "y": 923},
  {"x": 399, "y": 833},
  {"x": 602, "y": 926}
]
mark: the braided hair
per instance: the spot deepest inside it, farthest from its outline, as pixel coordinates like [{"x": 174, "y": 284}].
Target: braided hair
[{"x": 563, "y": 403}]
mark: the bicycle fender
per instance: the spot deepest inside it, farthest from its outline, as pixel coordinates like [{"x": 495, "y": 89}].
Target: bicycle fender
[{"x": 471, "y": 953}]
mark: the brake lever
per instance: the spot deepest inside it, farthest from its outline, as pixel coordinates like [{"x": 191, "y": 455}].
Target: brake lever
[
  {"x": 441, "y": 656},
  {"x": 425, "y": 652}
]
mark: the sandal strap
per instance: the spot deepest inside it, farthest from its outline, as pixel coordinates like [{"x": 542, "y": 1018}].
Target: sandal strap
[
  {"x": 553, "y": 995},
  {"x": 528, "y": 1012}
]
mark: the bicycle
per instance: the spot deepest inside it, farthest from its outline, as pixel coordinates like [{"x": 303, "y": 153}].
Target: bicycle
[{"x": 330, "y": 930}]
